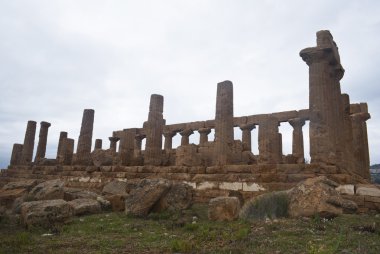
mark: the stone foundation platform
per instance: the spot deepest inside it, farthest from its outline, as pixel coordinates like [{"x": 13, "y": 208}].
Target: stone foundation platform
[{"x": 208, "y": 182}]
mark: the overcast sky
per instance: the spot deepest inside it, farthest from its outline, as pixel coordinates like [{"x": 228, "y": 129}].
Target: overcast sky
[{"x": 60, "y": 57}]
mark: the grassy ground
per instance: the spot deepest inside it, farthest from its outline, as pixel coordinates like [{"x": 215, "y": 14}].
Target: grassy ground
[{"x": 175, "y": 233}]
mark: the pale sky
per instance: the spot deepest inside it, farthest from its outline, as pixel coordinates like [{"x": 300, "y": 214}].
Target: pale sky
[{"x": 60, "y": 57}]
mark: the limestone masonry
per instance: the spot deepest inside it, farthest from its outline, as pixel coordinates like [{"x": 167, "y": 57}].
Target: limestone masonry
[{"x": 223, "y": 166}]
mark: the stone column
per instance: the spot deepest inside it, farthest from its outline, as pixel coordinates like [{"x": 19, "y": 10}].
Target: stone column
[
  {"x": 348, "y": 154},
  {"x": 203, "y": 135},
  {"x": 185, "y": 136},
  {"x": 67, "y": 152},
  {"x": 359, "y": 143},
  {"x": 280, "y": 146},
  {"x": 113, "y": 143},
  {"x": 28, "y": 147},
  {"x": 154, "y": 130},
  {"x": 297, "y": 145},
  {"x": 62, "y": 136},
  {"x": 98, "y": 144},
  {"x": 326, "y": 117},
  {"x": 138, "y": 144},
  {"x": 85, "y": 137},
  {"x": 127, "y": 146},
  {"x": 364, "y": 108},
  {"x": 41, "y": 147},
  {"x": 224, "y": 124},
  {"x": 16, "y": 154},
  {"x": 246, "y": 136},
  {"x": 168, "y": 145},
  {"x": 269, "y": 142}
]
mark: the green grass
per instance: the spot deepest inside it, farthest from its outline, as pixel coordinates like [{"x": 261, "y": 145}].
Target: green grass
[{"x": 168, "y": 233}]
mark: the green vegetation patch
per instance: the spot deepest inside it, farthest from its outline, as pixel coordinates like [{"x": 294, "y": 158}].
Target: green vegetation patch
[{"x": 191, "y": 232}]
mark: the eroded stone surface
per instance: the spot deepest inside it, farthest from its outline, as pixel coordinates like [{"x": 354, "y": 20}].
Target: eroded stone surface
[
  {"x": 223, "y": 208},
  {"x": 45, "y": 213}
]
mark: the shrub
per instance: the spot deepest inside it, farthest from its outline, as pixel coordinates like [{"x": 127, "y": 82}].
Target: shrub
[
  {"x": 270, "y": 205},
  {"x": 181, "y": 246}
]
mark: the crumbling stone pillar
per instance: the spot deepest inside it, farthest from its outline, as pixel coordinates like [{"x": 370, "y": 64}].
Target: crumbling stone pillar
[
  {"x": 85, "y": 138},
  {"x": 127, "y": 146},
  {"x": 16, "y": 154},
  {"x": 169, "y": 140},
  {"x": 154, "y": 130},
  {"x": 359, "y": 143},
  {"x": 185, "y": 136},
  {"x": 27, "y": 148},
  {"x": 113, "y": 143},
  {"x": 269, "y": 142},
  {"x": 62, "y": 136},
  {"x": 326, "y": 117},
  {"x": 98, "y": 144},
  {"x": 67, "y": 152},
  {"x": 203, "y": 135},
  {"x": 41, "y": 147},
  {"x": 224, "y": 124},
  {"x": 297, "y": 146},
  {"x": 246, "y": 136}
]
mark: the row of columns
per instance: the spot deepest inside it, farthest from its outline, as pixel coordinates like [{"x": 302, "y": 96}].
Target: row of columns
[{"x": 270, "y": 140}]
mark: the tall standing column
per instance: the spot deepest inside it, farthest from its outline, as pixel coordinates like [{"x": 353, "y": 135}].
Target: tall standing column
[
  {"x": 246, "y": 136},
  {"x": 62, "y": 137},
  {"x": 224, "y": 124},
  {"x": 98, "y": 144},
  {"x": 41, "y": 147},
  {"x": 85, "y": 137},
  {"x": 168, "y": 145},
  {"x": 28, "y": 147},
  {"x": 203, "y": 135},
  {"x": 269, "y": 141},
  {"x": 297, "y": 146},
  {"x": 359, "y": 143},
  {"x": 326, "y": 117},
  {"x": 16, "y": 154},
  {"x": 185, "y": 136},
  {"x": 348, "y": 153},
  {"x": 154, "y": 130},
  {"x": 113, "y": 143}
]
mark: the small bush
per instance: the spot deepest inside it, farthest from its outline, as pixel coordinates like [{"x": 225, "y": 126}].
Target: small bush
[
  {"x": 270, "y": 205},
  {"x": 191, "y": 227},
  {"x": 180, "y": 246}
]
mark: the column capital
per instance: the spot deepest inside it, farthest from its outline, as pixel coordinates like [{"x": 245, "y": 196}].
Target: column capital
[
  {"x": 296, "y": 122},
  {"x": 186, "y": 132},
  {"x": 169, "y": 134},
  {"x": 45, "y": 124},
  {"x": 248, "y": 127},
  {"x": 204, "y": 130},
  {"x": 362, "y": 117},
  {"x": 114, "y": 139}
]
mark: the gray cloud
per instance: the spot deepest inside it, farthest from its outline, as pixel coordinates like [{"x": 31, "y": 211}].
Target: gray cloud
[{"x": 59, "y": 57}]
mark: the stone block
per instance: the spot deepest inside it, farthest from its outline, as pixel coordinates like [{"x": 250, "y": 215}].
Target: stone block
[
  {"x": 348, "y": 189},
  {"x": 367, "y": 190},
  {"x": 223, "y": 208},
  {"x": 252, "y": 187},
  {"x": 207, "y": 185},
  {"x": 231, "y": 186}
]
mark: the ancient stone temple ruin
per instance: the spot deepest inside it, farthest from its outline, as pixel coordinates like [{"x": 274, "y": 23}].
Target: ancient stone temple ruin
[{"x": 337, "y": 134}]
